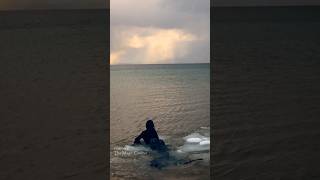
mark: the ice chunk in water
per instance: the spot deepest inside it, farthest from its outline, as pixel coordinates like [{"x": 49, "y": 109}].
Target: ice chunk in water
[
  {"x": 206, "y": 142},
  {"x": 195, "y": 142}
]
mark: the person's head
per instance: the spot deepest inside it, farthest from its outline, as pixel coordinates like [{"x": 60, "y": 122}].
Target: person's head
[{"x": 149, "y": 124}]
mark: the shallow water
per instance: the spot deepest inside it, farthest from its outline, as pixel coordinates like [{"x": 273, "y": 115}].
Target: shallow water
[{"x": 177, "y": 98}]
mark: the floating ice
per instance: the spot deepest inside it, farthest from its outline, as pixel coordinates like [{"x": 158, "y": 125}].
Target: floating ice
[
  {"x": 195, "y": 135},
  {"x": 195, "y": 143},
  {"x": 204, "y": 142},
  {"x": 194, "y": 140},
  {"x": 196, "y": 146}
]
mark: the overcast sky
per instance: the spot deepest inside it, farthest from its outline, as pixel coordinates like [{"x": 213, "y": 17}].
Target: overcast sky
[
  {"x": 160, "y": 31},
  {"x": 154, "y": 31}
]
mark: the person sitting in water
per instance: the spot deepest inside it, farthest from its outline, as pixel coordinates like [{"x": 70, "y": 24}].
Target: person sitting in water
[{"x": 151, "y": 138}]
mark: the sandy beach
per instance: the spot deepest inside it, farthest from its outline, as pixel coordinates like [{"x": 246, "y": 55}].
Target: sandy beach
[
  {"x": 54, "y": 93},
  {"x": 266, "y": 94}
]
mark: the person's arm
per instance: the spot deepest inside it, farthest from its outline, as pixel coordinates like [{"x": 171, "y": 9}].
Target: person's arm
[
  {"x": 156, "y": 134},
  {"x": 137, "y": 139}
]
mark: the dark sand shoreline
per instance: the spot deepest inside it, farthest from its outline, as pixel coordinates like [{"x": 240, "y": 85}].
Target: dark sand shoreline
[
  {"x": 266, "y": 97},
  {"x": 54, "y": 89}
]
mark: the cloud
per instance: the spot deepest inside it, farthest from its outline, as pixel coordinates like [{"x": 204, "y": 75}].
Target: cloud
[
  {"x": 160, "y": 31},
  {"x": 115, "y": 56},
  {"x": 151, "y": 45}
]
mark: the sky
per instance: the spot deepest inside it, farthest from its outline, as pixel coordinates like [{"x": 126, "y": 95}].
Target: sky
[
  {"x": 159, "y": 31},
  {"x": 154, "y": 31}
]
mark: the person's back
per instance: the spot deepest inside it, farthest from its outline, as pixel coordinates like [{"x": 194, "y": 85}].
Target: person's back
[
  {"x": 151, "y": 138},
  {"x": 148, "y": 134}
]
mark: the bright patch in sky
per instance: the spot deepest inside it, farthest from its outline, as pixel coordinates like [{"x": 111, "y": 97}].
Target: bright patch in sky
[
  {"x": 152, "y": 45},
  {"x": 159, "y": 31}
]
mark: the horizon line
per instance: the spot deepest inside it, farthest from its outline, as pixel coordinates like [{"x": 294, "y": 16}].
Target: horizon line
[{"x": 159, "y": 64}]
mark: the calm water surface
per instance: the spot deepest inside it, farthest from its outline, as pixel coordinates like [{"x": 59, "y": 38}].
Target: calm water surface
[{"x": 177, "y": 98}]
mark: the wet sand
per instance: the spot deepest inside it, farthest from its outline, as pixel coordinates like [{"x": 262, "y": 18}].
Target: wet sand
[
  {"x": 266, "y": 94},
  {"x": 53, "y": 92}
]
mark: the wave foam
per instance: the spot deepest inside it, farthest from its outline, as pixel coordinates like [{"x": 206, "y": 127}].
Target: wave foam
[{"x": 138, "y": 148}]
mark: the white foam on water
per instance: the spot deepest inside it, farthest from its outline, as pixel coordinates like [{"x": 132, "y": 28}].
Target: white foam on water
[
  {"x": 195, "y": 143},
  {"x": 163, "y": 137},
  {"x": 193, "y": 140},
  {"x": 138, "y": 148}
]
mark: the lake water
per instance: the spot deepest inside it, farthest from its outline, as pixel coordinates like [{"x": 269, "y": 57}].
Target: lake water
[{"x": 177, "y": 98}]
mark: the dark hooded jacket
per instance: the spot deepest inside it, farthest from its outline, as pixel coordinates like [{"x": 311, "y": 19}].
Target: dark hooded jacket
[{"x": 148, "y": 135}]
